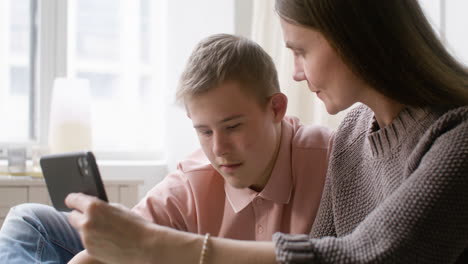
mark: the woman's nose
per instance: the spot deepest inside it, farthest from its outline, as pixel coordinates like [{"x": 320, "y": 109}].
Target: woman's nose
[{"x": 298, "y": 74}]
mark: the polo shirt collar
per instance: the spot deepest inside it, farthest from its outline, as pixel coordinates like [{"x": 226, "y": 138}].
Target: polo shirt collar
[{"x": 279, "y": 187}]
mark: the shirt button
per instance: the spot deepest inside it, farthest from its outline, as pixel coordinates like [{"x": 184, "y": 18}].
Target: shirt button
[
  {"x": 260, "y": 229},
  {"x": 259, "y": 201}
]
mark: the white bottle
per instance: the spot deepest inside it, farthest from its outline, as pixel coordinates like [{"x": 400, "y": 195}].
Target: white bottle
[{"x": 70, "y": 116}]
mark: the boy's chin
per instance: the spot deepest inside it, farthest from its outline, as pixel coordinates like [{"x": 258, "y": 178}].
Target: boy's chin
[{"x": 236, "y": 184}]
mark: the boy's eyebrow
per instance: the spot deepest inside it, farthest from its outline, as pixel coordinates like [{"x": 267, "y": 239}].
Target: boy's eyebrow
[{"x": 227, "y": 119}]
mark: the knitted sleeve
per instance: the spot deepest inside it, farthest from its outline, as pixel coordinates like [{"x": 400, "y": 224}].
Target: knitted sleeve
[
  {"x": 324, "y": 223},
  {"x": 425, "y": 220}
]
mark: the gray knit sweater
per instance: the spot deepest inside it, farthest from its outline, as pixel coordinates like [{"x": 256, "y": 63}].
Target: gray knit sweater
[{"x": 392, "y": 195}]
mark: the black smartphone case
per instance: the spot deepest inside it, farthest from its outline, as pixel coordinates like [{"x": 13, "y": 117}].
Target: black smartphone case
[{"x": 71, "y": 172}]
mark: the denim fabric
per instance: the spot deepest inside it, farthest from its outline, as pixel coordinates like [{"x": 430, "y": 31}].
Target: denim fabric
[{"x": 36, "y": 233}]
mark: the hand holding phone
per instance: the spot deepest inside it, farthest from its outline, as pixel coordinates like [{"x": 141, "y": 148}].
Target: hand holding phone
[{"x": 71, "y": 172}]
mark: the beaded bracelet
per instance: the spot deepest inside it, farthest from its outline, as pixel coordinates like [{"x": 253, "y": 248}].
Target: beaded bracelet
[{"x": 204, "y": 250}]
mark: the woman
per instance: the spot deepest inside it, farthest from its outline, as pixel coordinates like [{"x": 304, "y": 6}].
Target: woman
[{"x": 398, "y": 175}]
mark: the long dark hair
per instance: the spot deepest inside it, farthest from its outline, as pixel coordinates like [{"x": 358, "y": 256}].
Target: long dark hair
[{"x": 388, "y": 44}]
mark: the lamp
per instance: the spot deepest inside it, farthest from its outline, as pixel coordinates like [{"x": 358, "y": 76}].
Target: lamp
[{"x": 70, "y": 116}]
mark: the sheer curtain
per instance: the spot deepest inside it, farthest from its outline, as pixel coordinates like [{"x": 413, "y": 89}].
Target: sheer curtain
[
  {"x": 185, "y": 28},
  {"x": 266, "y": 31}
]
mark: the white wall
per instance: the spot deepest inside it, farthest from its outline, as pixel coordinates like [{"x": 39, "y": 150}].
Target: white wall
[
  {"x": 243, "y": 17},
  {"x": 187, "y": 23}
]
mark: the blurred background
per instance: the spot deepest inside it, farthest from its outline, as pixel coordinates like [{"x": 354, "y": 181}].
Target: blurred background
[{"x": 131, "y": 52}]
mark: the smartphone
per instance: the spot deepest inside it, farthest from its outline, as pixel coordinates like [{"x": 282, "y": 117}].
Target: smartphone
[{"x": 71, "y": 172}]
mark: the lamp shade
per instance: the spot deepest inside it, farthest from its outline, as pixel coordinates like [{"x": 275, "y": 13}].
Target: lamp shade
[{"x": 70, "y": 116}]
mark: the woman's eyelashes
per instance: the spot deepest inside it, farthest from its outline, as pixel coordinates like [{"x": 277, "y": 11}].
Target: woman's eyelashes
[{"x": 298, "y": 52}]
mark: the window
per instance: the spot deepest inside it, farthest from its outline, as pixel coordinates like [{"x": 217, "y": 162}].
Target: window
[
  {"x": 456, "y": 24},
  {"x": 449, "y": 19},
  {"x": 112, "y": 43},
  {"x": 17, "y": 45}
]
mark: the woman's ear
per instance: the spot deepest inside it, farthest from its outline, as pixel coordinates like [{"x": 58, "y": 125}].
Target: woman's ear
[{"x": 279, "y": 104}]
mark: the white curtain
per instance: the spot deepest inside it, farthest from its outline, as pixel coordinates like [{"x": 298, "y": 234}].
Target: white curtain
[
  {"x": 266, "y": 31},
  {"x": 185, "y": 28}
]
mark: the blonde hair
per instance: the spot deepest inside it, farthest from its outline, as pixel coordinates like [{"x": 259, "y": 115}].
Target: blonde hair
[{"x": 223, "y": 57}]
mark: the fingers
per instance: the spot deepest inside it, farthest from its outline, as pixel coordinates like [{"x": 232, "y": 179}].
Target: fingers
[
  {"x": 85, "y": 208},
  {"x": 80, "y": 201},
  {"x": 76, "y": 219}
]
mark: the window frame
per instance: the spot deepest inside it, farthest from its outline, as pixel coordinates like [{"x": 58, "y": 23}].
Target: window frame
[
  {"x": 50, "y": 59},
  {"x": 145, "y": 69},
  {"x": 32, "y": 87}
]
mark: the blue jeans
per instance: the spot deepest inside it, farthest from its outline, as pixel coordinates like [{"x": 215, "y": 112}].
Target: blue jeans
[{"x": 36, "y": 233}]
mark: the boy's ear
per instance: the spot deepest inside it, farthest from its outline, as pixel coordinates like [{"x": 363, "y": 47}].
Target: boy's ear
[{"x": 279, "y": 104}]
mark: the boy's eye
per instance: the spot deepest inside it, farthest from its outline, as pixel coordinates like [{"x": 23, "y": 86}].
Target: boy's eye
[
  {"x": 233, "y": 126},
  {"x": 206, "y": 132}
]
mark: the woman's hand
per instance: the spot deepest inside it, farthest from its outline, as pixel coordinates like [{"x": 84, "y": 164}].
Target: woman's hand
[
  {"x": 84, "y": 258},
  {"x": 114, "y": 234}
]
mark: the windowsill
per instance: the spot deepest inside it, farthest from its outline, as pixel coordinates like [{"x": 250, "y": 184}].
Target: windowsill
[
  {"x": 107, "y": 163},
  {"x": 103, "y": 164},
  {"x": 151, "y": 172}
]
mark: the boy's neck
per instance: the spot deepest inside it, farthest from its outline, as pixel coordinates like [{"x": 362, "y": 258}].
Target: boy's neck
[{"x": 268, "y": 171}]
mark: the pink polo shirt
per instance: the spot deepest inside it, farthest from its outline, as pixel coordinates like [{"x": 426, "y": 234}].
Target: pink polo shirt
[{"x": 196, "y": 198}]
